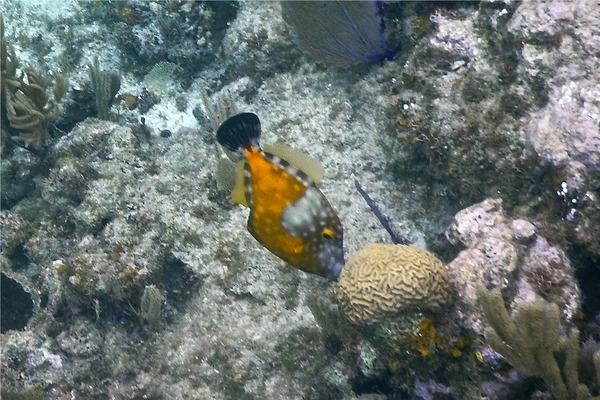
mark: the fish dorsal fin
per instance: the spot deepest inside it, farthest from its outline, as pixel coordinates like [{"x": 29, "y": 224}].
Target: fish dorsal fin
[
  {"x": 238, "y": 194},
  {"x": 305, "y": 163}
]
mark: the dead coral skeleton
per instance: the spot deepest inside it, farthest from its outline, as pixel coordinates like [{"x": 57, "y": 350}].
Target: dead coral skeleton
[
  {"x": 27, "y": 107},
  {"x": 531, "y": 342}
]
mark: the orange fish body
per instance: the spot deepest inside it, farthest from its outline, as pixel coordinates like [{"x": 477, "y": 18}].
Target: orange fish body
[{"x": 288, "y": 214}]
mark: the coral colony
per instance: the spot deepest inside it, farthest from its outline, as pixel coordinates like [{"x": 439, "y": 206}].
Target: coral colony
[{"x": 151, "y": 246}]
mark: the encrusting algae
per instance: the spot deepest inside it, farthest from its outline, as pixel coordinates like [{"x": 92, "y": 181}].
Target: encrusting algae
[
  {"x": 426, "y": 339},
  {"x": 384, "y": 280}
]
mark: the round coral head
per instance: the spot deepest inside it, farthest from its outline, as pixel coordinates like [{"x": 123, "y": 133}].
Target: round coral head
[{"x": 384, "y": 280}]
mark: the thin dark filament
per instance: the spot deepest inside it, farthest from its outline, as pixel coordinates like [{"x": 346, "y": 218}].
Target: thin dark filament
[{"x": 383, "y": 219}]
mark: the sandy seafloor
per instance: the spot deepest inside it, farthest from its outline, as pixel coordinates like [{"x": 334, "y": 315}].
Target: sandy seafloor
[{"x": 493, "y": 100}]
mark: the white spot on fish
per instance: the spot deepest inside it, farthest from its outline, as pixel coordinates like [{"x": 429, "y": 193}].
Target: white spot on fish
[{"x": 305, "y": 214}]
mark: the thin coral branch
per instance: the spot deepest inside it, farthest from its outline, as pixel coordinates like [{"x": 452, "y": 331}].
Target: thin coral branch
[
  {"x": 531, "y": 342},
  {"x": 27, "y": 108}
]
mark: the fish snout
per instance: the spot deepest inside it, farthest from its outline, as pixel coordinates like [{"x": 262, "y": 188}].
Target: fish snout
[{"x": 331, "y": 258}]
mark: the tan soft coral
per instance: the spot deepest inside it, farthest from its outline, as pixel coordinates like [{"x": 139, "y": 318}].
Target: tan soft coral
[
  {"x": 384, "y": 280},
  {"x": 27, "y": 108}
]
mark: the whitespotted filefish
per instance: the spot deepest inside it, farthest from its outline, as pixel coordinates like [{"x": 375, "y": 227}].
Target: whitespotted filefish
[{"x": 288, "y": 213}]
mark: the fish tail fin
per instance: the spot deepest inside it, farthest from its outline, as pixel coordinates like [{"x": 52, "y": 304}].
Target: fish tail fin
[{"x": 241, "y": 131}]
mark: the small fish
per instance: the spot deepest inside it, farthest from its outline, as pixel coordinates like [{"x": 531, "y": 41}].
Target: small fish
[{"x": 288, "y": 214}]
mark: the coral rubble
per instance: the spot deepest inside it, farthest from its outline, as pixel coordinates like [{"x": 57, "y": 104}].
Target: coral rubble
[{"x": 509, "y": 254}]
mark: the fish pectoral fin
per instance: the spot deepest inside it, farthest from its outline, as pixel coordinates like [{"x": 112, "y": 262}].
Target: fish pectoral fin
[
  {"x": 305, "y": 163},
  {"x": 238, "y": 194},
  {"x": 225, "y": 175}
]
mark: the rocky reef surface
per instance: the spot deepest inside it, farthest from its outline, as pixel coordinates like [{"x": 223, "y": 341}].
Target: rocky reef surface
[{"x": 126, "y": 272}]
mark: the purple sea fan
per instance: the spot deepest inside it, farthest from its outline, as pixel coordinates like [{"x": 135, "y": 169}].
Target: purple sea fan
[{"x": 338, "y": 32}]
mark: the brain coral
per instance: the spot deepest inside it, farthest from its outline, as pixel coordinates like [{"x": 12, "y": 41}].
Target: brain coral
[{"x": 383, "y": 280}]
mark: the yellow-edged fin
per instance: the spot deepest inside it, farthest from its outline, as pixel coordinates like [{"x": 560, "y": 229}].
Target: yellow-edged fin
[
  {"x": 238, "y": 194},
  {"x": 305, "y": 163}
]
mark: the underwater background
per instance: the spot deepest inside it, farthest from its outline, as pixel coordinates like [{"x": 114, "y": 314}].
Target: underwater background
[{"x": 128, "y": 274}]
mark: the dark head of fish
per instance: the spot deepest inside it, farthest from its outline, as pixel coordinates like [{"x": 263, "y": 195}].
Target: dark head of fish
[
  {"x": 330, "y": 251},
  {"x": 339, "y": 32}
]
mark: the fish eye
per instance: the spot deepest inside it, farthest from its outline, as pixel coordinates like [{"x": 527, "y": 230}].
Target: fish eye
[{"x": 327, "y": 234}]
